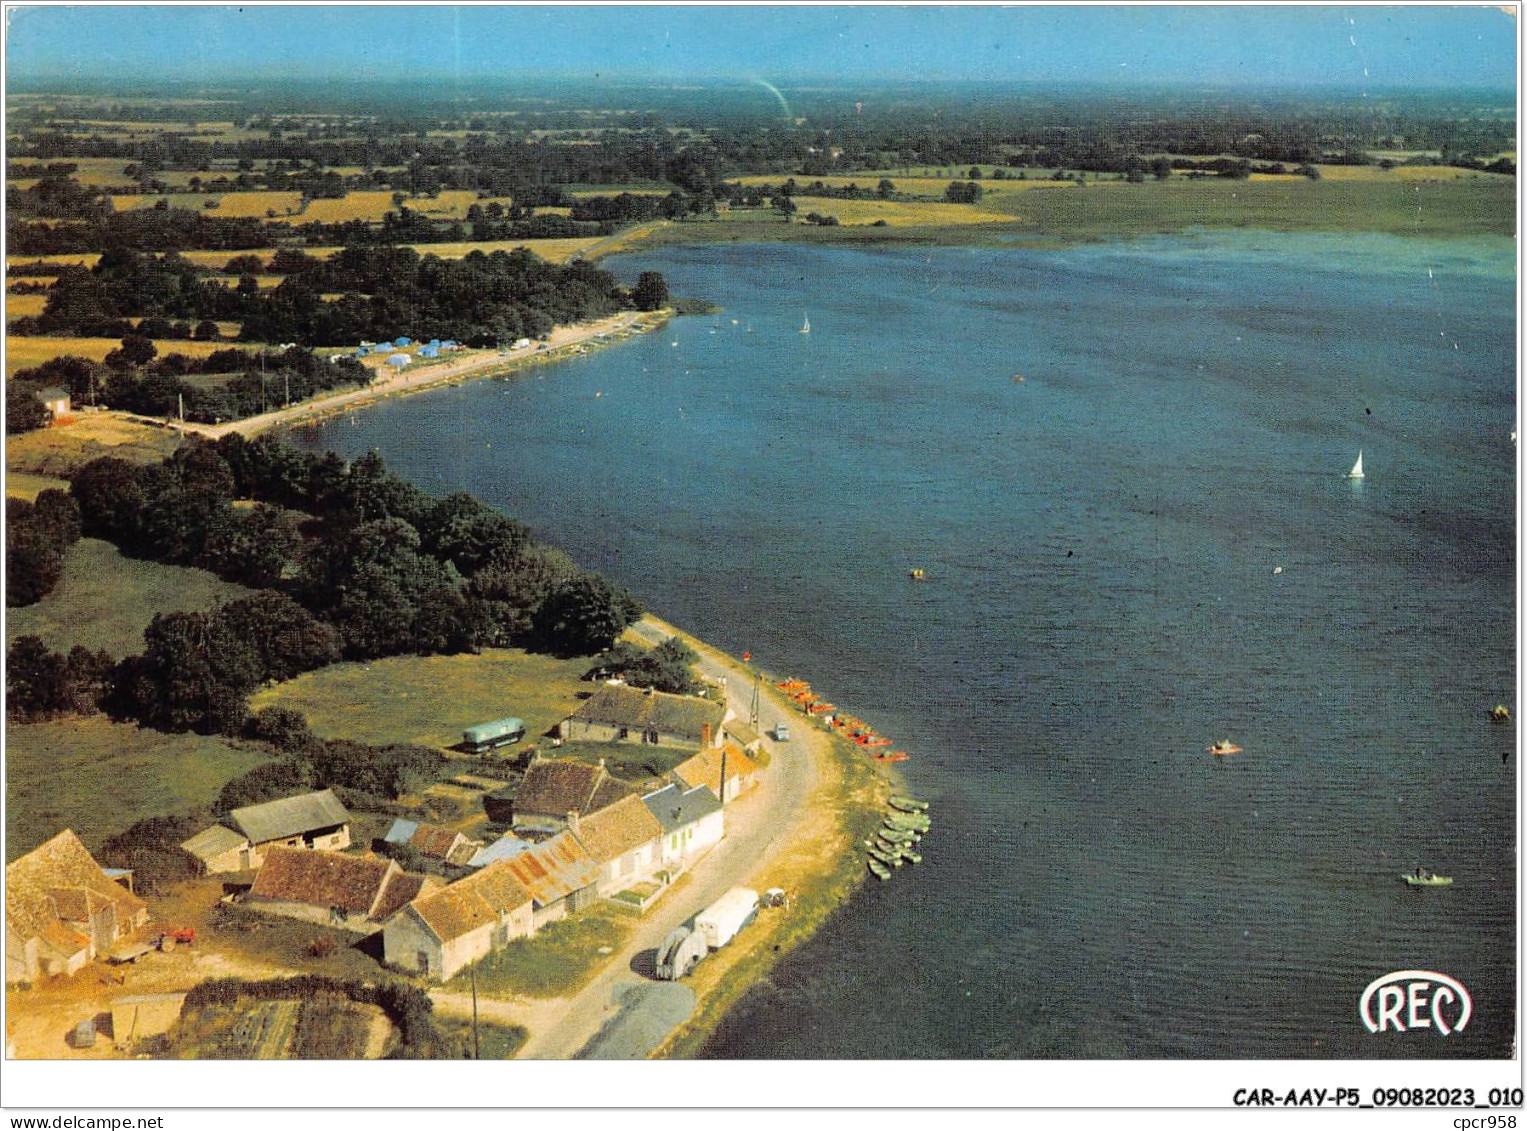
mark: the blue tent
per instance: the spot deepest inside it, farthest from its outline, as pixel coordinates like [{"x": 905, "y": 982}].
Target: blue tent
[
  {"x": 399, "y": 360},
  {"x": 434, "y": 341},
  {"x": 429, "y": 351},
  {"x": 401, "y": 342},
  {"x": 361, "y": 351}
]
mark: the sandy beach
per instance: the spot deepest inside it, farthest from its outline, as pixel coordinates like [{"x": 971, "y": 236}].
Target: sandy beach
[{"x": 470, "y": 365}]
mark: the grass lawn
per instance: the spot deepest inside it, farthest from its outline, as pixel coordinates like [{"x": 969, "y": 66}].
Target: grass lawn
[
  {"x": 60, "y": 451},
  {"x": 557, "y": 960},
  {"x": 21, "y": 485},
  {"x": 494, "y": 1042},
  {"x": 98, "y": 777},
  {"x": 105, "y": 601},
  {"x": 291, "y": 943},
  {"x": 432, "y": 699}
]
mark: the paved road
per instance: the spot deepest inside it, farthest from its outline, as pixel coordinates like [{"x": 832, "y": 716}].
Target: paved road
[{"x": 758, "y": 823}]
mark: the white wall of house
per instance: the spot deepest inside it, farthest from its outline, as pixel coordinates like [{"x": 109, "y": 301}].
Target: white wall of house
[
  {"x": 409, "y": 945},
  {"x": 630, "y": 867},
  {"x": 310, "y": 913},
  {"x": 682, "y": 845}
]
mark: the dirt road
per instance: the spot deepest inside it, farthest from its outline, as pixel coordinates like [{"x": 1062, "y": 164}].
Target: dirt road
[{"x": 759, "y": 825}]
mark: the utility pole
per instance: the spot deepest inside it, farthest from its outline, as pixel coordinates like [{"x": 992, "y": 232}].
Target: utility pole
[
  {"x": 753, "y": 708},
  {"x": 476, "y": 1050}
]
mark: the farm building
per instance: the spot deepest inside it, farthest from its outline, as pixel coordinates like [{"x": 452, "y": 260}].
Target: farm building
[
  {"x": 310, "y": 820},
  {"x": 432, "y": 840},
  {"x": 219, "y": 849},
  {"x": 447, "y": 930},
  {"x": 55, "y": 400},
  {"x": 62, "y": 910},
  {"x": 706, "y": 768},
  {"x": 490, "y": 736},
  {"x": 501, "y": 849},
  {"x": 692, "y": 821},
  {"x": 616, "y": 713},
  {"x": 624, "y": 840},
  {"x": 353, "y": 892},
  {"x": 553, "y": 788},
  {"x": 559, "y": 875}
]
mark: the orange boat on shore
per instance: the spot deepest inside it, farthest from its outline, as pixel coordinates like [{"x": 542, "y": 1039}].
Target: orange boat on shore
[{"x": 892, "y": 756}]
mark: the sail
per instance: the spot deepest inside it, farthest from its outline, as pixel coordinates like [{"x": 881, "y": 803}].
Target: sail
[
  {"x": 806, "y": 325},
  {"x": 1357, "y": 468}
]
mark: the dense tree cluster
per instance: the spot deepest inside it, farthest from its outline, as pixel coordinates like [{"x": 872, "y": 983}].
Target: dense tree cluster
[
  {"x": 351, "y": 561},
  {"x": 42, "y": 684},
  {"x": 668, "y": 667},
  {"x": 37, "y": 535}
]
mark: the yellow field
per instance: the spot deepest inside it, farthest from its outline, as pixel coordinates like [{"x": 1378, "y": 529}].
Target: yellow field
[
  {"x": 190, "y": 201},
  {"x": 24, "y": 306},
  {"x": 265, "y": 282},
  {"x": 585, "y": 194},
  {"x": 354, "y": 206},
  {"x": 901, "y": 214},
  {"x": 549, "y": 210},
  {"x": 914, "y": 186},
  {"x": 57, "y": 452},
  {"x": 26, "y": 352},
  {"x": 21, "y": 184},
  {"x": 239, "y": 204},
  {"x": 24, "y": 485},
  {"x": 92, "y": 170},
  {"x": 1398, "y": 173},
  {"x": 553, "y": 251},
  {"x": 83, "y": 259}
]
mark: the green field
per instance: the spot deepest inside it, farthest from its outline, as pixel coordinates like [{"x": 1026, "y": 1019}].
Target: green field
[
  {"x": 432, "y": 699},
  {"x": 105, "y": 601},
  {"x": 98, "y": 777},
  {"x": 1462, "y": 206},
  {"x": 556, "y": 960}
]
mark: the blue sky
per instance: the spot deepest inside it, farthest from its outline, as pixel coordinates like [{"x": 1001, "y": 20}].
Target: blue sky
[{"x": 1350, "y": 45}]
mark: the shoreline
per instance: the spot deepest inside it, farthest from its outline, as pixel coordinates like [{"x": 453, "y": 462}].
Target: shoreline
[
  {"x": 820, "y": 867},
  {"x": 565, "y": 342}
]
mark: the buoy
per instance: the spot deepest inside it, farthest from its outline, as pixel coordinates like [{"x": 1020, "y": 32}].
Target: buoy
[
  {"x": 916, "y": 574},
  {"x": 1277, "y": 570},
  {"x": 1018, "y": 378}
]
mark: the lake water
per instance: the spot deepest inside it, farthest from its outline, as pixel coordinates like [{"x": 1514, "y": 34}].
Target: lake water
[{"x": 1100, "y": 541}]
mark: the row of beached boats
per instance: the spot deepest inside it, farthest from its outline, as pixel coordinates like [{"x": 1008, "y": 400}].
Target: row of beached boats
[
  {"x": 855, "y": 730},
  {"x": 894, "y": 843}
]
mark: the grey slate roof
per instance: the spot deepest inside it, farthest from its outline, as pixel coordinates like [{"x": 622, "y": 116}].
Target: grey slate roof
[
  {"x": 289, "y": 816},
  {"x": 674, "y": 808},
  {"x": 617, "y": 705},
  {"x": 402, "y": 831},
  {"x": 214, "y": 842}
]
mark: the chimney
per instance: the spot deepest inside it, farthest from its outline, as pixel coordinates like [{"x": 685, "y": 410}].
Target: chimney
[
  {"x": 572, "y": 820},
  {"x": 705, "y": 735}
]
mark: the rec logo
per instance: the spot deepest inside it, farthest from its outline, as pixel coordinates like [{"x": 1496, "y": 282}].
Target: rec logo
[{"x": 1407, "y": 1000}]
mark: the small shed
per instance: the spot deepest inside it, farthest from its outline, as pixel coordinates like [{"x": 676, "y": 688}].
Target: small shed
[
  {"x": 490, "y": 736},
  {"x": 139, "y": 1016},
  {"x": 55, "y": 400},
  {"x": 399, "y": 360},
  {"x": 219, "y": 849}
]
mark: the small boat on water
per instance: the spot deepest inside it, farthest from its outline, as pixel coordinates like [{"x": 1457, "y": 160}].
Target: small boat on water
[
  {"x": 806, "y": 325},
  {"x": 1500, "y": 713},
  {"x": 914, "y": 857},
  {"x": 1422, "y": 878},
  {"x": 917, "y": 574},
  {"x": 908, "y": 804},
  {"x": 885, "y": 856},
  {"x": 1357, "y": 468},
  {"x": 906, "y": 821},
  {"x": 1224, "y": 746},
  {"x": 879, "y": 869}
]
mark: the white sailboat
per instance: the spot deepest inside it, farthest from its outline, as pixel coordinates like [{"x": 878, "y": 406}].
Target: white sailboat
[
  {"x": 806, "y": 325},
  {"x": 1357, "y": 468}
]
